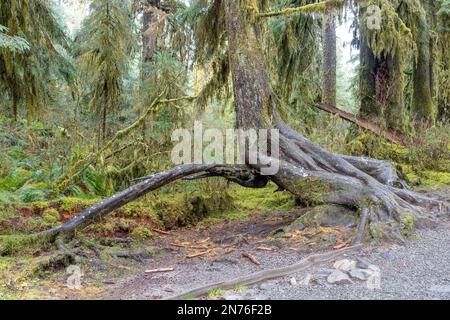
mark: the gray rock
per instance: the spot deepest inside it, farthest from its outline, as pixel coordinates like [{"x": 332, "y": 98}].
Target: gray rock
[
  {"x": 339, "y": 277},
  {"x": 359, "y": 274},
  {"x": 363, "y": 263},
  {"x": 388, "y": 256},
  {"x": 324, "y": 273},
  {"x": 440, "y": 288},
  {"x": 293, "y": 282},
  {"x": 267, "y": 286},
  {"x": 345, "y": 265}
]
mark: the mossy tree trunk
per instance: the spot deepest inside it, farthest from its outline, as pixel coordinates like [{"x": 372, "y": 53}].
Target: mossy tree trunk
[
  {"x": 369, "y": 108},
  {"x": 423, "y": 106},
  {"x": 329, "y": 56},
  {"x": 381, "y": 90}
]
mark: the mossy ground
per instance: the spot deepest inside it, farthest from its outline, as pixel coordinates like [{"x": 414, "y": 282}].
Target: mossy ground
[{"x": 21, "y": 256}]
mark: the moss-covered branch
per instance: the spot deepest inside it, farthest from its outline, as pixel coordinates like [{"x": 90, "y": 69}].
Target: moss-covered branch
[
  {"x": 81, "y": 165},
  {"x": 309, "y": 8}
]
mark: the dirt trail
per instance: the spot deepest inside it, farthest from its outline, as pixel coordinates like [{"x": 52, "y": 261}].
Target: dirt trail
[{"x": 418, "y": 270}]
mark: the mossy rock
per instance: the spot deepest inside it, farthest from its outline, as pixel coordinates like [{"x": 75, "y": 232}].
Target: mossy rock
[{"x": 324, "y": 216}]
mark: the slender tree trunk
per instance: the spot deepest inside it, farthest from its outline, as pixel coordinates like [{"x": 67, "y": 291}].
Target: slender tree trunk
[
  {"x": 423, "y": 106},
  {"x": 329, "y": 56},
  {"x": 149, "y": 35},
  {"x": 15, "y": 107},
  {"x": 104, "y": 124},
  {"x": 393, "y": 91},
  {"x": 369, "y": 108}
]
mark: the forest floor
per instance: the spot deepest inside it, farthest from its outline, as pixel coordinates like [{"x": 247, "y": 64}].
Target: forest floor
[
  {"x": 420, "y": 269},
  {"x": 217, "y": 250}
]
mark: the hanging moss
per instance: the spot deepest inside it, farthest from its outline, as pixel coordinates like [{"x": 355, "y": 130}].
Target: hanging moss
[{"x": 308, "y": 8}]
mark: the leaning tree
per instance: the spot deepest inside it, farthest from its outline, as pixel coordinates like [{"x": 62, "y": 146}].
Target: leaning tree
[{"x": 314, "y": 175}]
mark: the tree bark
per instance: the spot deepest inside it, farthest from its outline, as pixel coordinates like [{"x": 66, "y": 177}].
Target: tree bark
[
  {"x": 149, "y": 36},
  {"x": 423, "y": 106},
  {"x": 329, "y": 56}
]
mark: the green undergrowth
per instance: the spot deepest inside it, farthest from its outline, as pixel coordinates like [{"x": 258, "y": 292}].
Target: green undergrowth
[{"x": 250, "y": 202}]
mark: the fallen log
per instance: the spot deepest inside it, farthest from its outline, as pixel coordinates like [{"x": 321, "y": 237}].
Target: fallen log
[{"x": 389, "y": 134}]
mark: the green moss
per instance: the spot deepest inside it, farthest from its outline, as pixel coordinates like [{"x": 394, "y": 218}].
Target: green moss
[
  {"x": 375, "y": 231},
  {"x": 76, "y": 204},
  {"x": 240, "y": 288},
  {"x": 142, "y": 234},
  {"x": 137, "y": 210},
  {"x": 51, "y": 215},
  {"x": 13, "y": 244},
  {"x": 427, "y": 179},
  {"x": 311, "y": 190},
  {"x": 216, "y": 293},
  {"x": 406, "y": 224}
]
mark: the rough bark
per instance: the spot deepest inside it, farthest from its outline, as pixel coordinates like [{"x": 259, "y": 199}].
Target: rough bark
[
  {"x": 251, "y": 86},
  {"x": 329, "y": 56},
  {"x": 369, "y": 109},
  {"x": 381, "y": 92},
  {"x": 423, "y": 106},
  {"x": 149, "y": 36}
]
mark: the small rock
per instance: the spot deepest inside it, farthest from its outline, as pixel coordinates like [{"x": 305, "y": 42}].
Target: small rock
[
  {"x": 293, "y": 282},
  {"x": 363, "y": 263},
  {"x": 267, "y": 286},
  {"x": 324, "y": 273},
  {"x": 306, "y": 281},
  {"x": 359, "y": 274},
  {"x": 338, "y": 277},
  {"x": 388, "y": 256},
  {"x": 440, "y": 288},
  {"x": 345, "y": 265}
]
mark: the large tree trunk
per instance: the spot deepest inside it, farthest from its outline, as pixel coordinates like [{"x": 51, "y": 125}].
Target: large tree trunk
[
  {"x": 329, "y": 56},
  {"x": 313, "y": 174},
  {"x": 369, "y": 108},
  {"x": 149, "y": 34},
  {"x": 381, "y": 92},
  {"x": 423, "y": 107}
]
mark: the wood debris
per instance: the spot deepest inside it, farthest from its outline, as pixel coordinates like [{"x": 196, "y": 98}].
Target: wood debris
[
  {"x": 159, "y": 270},
  {"x": 252, "y": 258},
  {"x": 161, "y": 231},
  {"x": 340, "y": 245},
  {"x": 262, "y": 248},
  {"x": 230, "y": 250},
  {"x": 199, "y": 254}
]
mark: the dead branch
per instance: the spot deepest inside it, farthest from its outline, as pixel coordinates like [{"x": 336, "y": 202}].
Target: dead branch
[{"x": 388, "y": 134}]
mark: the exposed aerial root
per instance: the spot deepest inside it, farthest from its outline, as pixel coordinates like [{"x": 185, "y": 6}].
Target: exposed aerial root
[
  {"x": 311, "y": 173},
  {"x": 265, "y": 275}
]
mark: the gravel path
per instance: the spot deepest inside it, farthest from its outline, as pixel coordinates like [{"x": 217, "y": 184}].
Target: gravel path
[{"x": 418, "y": 270}]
